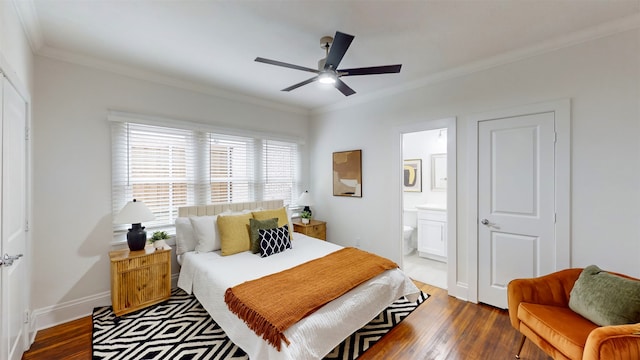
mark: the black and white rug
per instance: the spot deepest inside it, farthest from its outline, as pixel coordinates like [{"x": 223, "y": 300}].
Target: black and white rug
[{"x": 181, "y": 329}]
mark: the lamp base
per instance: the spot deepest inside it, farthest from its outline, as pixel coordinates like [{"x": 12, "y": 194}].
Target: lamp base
[
  {"x": 306, "y": 208},
  {"x": 136, "y": 237}
]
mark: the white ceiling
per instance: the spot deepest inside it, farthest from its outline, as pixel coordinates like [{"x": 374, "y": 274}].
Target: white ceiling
[{"x": 211, "y": 45}]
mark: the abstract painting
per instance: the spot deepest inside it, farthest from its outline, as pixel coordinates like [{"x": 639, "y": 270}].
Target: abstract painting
[
  {"x": 412, "y": 175},
  {"x": 347, "y": 173}
]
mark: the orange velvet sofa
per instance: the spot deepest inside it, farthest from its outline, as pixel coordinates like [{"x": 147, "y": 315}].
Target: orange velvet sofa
[{"x": 539, "y": 309}]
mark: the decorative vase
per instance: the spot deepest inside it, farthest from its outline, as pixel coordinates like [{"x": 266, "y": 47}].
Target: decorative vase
[{"x": 305, "y": 221}]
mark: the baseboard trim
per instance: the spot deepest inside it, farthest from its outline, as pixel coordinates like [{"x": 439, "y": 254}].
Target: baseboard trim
[
  {"x": 49, "y": 316},
  {"x": 68, "y": 311}
]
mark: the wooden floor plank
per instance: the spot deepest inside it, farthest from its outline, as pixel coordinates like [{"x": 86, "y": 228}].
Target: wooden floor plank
[{"x": 443, "y": 328}]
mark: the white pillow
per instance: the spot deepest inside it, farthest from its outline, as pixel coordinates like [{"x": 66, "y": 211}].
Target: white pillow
[
  {"x": 205, "y": 230},
  {"x": 286, "y": 207},
  {"x": 185, "y": 238},
  {"x": 229, "y": 212}
]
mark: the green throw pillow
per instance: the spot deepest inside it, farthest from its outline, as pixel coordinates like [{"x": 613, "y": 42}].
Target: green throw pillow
[
  {"x": 606, "y": 299},
  {"x": 254, "y": 226}
]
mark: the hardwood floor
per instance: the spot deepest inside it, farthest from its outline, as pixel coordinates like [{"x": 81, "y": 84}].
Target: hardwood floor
[{"x": 441, "y": 328}]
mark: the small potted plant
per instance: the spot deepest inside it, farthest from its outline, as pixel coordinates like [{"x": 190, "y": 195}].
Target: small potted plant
[
  {"x": 159, "y": 239},
  {"x": 306, "y": 216}
]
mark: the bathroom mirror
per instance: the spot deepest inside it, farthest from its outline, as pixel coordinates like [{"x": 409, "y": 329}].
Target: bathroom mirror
[{"x": 438, "y": 172}]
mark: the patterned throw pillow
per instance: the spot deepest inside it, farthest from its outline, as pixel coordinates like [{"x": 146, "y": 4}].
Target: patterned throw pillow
[{"x": 273, "y": 241}]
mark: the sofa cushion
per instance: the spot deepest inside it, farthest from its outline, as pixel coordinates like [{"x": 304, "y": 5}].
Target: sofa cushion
[
  {"x": 605, "y": 298},
  {"x": 560, "y": 326}
]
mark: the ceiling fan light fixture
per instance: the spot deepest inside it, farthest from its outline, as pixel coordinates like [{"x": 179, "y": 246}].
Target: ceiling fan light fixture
[{"x": 327, "y": 78}]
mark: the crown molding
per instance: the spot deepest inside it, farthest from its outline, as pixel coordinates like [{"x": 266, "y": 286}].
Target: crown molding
[
  {"x": 603, "y": 30},
  {"x": 157, "y": 78},
  {"x": 31, "y": 24},
  {"x": 28, "y": 16}
]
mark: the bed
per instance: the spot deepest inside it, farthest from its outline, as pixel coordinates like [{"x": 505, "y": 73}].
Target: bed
[{"x": 208, "y": 274}]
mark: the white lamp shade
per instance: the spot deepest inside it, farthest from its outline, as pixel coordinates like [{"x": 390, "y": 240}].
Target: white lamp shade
[
  {"x": 134, "y": 212},
  {"x": 305, "y": 199}
]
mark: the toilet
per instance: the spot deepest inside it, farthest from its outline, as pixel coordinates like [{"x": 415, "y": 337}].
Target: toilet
[{"x": 407, "y": 231}]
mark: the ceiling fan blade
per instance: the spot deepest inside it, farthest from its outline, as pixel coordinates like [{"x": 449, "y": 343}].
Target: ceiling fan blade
[
  {"x": 386, "y": 69},
  {"x": 292, "y": 87},
  {"x": 344, "y": 88},
  {"x": 341, "y": 43},
  {"x": 283, "y": 64}
]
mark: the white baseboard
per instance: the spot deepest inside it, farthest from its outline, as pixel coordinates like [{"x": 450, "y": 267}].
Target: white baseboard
[
  {"x": 68, "y": 311},
  {"x": 49, "y": 316}
]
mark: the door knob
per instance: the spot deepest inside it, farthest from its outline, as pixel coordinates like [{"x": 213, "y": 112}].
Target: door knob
[
  {"x": 8, "y": 260},
  {"x": 484, "y": 222}
]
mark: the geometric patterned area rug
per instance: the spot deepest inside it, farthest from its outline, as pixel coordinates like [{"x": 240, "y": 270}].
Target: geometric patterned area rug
[{"x": 180, "y": 328}]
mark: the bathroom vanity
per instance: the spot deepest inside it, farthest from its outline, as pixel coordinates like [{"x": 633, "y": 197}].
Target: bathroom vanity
[{"x": 432, "y": 231}]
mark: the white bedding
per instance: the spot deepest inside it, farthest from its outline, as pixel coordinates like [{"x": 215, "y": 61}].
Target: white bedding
[{"x": 208, "y": 275}]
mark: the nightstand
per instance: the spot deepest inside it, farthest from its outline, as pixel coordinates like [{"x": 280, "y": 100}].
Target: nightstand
[
  {"x": 315, "y": 228},
  {"x": 139, "y": 278}
]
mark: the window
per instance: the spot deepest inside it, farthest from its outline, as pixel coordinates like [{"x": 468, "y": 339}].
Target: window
[
  {"x": 231, "y": 168},
  {"x": 167, "y": 167},
  {"x": 278, "y": 175}
]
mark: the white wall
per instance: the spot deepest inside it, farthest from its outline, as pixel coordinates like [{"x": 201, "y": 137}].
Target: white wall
[
  {"x": 602, "y": 79},
  {"x": 72, "y": 227}
]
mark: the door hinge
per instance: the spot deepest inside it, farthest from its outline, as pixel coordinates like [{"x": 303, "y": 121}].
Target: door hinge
[
  {"x": 555, "y": 137},
  {"x": 27, "y": 133},
  {"x": 555, "y": 218},
  {"x": 26, "y": 226},
  {"x": 26, "y": 316}
]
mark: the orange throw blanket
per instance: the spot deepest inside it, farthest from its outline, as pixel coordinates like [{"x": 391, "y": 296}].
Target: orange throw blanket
[{"x": 273, "y": 303}]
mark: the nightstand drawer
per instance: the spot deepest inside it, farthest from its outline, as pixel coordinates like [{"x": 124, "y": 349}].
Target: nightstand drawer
[
  {"x": 317, "y": 231},
  {"x": 315, "y": 228}
]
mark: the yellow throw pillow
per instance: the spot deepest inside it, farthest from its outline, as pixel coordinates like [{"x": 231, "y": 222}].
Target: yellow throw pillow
[
  {"x": 281, "y": 214},
  {"x": 234, "y": 233}
]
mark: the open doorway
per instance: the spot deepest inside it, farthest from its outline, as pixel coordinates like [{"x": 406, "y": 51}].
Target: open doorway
[
  {"x": 424, "y": 199},
  {"x": 427, "y": 188}
]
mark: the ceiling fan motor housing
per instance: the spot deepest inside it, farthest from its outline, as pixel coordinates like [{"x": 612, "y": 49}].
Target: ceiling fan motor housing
[{"x": 321, "y": 63}]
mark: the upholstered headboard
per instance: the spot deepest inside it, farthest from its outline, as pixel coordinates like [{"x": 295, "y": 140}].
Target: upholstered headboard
[{"x": 218, "y": 208}]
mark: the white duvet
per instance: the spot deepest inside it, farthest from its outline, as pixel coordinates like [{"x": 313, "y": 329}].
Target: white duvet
[{"x": 208, "y": 275}]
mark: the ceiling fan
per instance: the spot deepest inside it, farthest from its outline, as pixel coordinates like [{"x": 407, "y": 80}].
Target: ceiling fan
[{"x": 328, "y": 72}]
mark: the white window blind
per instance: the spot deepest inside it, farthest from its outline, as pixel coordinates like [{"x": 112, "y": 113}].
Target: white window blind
[
  {"x": 280, "y": 175},
  {"x": 167, "y": 167},
  {"x": 231, "y": 168}
]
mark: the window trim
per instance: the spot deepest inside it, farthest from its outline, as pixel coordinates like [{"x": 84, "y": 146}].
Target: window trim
[{"x": 122, "y": 169}]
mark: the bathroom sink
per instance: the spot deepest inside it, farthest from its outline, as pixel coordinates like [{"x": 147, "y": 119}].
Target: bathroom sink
[{"x": 442, "y": 207}]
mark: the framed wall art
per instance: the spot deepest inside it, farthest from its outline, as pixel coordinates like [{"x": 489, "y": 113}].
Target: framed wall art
[
  {"x": 412, "y": 175},
  {"x": 347, "y": 173}
]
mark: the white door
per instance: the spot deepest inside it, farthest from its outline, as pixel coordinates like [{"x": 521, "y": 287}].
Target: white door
[
  {"x": 13, "y": 214},
  {"x": 516, "y": 202}
]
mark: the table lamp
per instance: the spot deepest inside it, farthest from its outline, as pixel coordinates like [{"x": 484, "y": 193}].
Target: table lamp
[
  {"x": 134, "y": 213},
  {"x": 306, "y": 200}
]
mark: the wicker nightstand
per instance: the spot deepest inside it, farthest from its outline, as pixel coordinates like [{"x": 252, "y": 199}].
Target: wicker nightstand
[
  {"x": 139, "y": 279},
  {"x": 315, "y": 228}
]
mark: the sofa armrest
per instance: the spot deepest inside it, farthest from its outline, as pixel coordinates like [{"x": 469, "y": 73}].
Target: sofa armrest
[
  {"x": 617, "y": 342},
  {"x": 552, "y": 289}
]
